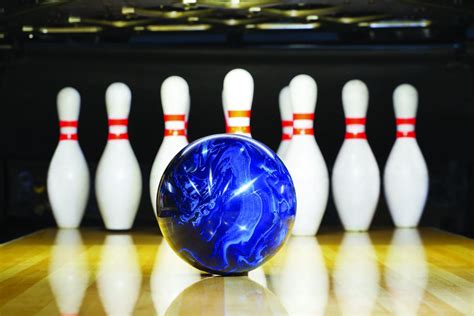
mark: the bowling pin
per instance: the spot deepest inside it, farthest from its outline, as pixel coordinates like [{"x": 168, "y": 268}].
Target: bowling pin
[
  {"x": 175, "y": 102},
  {"x": 68, "y": 176},
  {"x": 304, "y": 159},
  {"x": 355, "y": 176},
  {"x": 237, "y": 97},
  {"x": 406, "y": 174},
  {"x": 225, "y": 112},
  {"x": 118, "y": 182},
  {"x": 286, "y": 113},
  {"x": 186, "y": 119}
]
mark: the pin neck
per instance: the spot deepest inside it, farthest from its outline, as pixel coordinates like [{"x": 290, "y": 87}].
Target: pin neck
[
  {"x": 118, "y": 129},
  {"x": 409, "y": 134},
  {"x": 175, "y": 125},
  {"x": 238, "y": 122},
  {"x": 174, "y": 117},
  {"x": 238, "y": 113},
  {"x": 68, "y": 130},
  {"x": 355, "y": 128},
  {"x": 303, "y": 124},
  {"x": 68, "y": 123},
  {"x": 238, "y": 130},
  {"x": 67, "y": 137},
  {"x": 406, "y": 127},
  {"x": 303, "y": 131},
  {"x": 287, "y": 130}
]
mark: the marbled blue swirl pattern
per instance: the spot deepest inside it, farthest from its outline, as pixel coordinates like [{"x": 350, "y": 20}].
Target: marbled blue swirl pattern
[{"x": 226, "y": 204}]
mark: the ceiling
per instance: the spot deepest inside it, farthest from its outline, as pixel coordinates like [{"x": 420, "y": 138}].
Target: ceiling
[{"x": 339, "y": 21}]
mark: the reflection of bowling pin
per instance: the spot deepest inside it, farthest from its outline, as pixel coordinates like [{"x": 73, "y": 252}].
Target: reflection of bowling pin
[
  {"x": 356, "y": 275},
  {"x": 406, "y": 272},
  {"x": 406, "y": 174},
  {"x": 301, "y": 285},
  {"x": 258, "y": 275},
  {"x": 237, "y": 97},
  {"x": 119, "y": 276},
  {"x": 68, "y": 271},
  {"x": 304, "y": 159},
  {"x": 355, "y": 176},
  {"x": 68, "y": 175},
  {"x": 286, "y": 113},
  {"x": 175, "y": 101},
  {"x": 118, "y": 182},
  {"x": 170, "y": 276}
]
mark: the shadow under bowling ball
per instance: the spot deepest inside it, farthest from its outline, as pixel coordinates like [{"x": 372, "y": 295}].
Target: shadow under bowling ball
[{"x": 226, "y": 296}]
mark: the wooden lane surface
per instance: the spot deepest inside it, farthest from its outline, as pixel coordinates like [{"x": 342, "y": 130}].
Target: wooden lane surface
[{"x": 92, "y": 272}]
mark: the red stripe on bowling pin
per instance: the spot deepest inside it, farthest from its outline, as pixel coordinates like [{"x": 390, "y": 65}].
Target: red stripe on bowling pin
[
  {"x": 118, "y": 122},
  {"x": 355, "y": 121}
]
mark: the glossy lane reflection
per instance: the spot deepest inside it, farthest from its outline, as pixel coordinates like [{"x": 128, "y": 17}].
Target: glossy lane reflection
[
  {"x": 119, "y": 275},
  {"x": 425, "y": 272},
  {"x": 170, "y": 276},
  {"x": 68, "y": 271},
  {"x": 356, "y": 275},
  {"x": 406, "y": 272},
  {"x": 258, "y": 275},
  {"x": 226, "y": 296},
  {"x": 299, "y": 277}
]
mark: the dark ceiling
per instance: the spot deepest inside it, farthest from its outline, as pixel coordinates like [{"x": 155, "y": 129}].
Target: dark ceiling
[{"x": 192, "y": 21}]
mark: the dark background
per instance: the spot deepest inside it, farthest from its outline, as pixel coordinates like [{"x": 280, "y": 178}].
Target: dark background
[{"x": 30, "y": 80}]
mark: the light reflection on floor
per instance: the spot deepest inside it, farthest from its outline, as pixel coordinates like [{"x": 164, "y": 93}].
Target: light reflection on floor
[{"x": 400, "y": 272}]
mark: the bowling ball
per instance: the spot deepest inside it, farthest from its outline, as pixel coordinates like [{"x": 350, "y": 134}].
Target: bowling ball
[{"x": 226, "y": 204}]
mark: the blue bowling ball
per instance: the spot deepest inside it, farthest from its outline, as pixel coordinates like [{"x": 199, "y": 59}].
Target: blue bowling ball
[{"x": 226, "y": 204}]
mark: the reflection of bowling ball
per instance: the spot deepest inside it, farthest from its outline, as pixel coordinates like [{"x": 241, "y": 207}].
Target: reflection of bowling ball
[
  {"x": 226, "y": 204},
  {"x": 226, "y": 296}
]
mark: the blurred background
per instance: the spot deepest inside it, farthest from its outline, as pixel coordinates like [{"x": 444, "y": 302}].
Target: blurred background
[{"x": 88, "y": 44}]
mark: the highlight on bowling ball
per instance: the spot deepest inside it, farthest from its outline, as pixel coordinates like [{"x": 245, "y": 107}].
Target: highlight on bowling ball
[{"x": 226, "y": 204}]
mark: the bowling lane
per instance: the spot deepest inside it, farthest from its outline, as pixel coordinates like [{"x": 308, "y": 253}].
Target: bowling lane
[{"x": 93, "y": 272}]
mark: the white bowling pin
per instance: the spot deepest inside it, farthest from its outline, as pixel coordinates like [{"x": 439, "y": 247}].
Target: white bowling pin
[
  {"x": 355, "y": 176},
  {"x": 224, "y": 107},
  {"x": 300, "y": 279},
  {"x": 119, "y": 277},
  {"x": 68, "y": 271},
  {"x": 175, "y": 102},
  {"x": 237, "y": 98},
  {"x": 406, "y": 174},
  {"x": 356, "y": 275},
  {"x": 118, "y": 182},
  {"x": 68, "y": 175},
  {"x": 286, "y": 113},
  {"x": 186, "y": 119},
  {"x": 406, "y": 272},
  {"x": 304, "y": 159}
]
